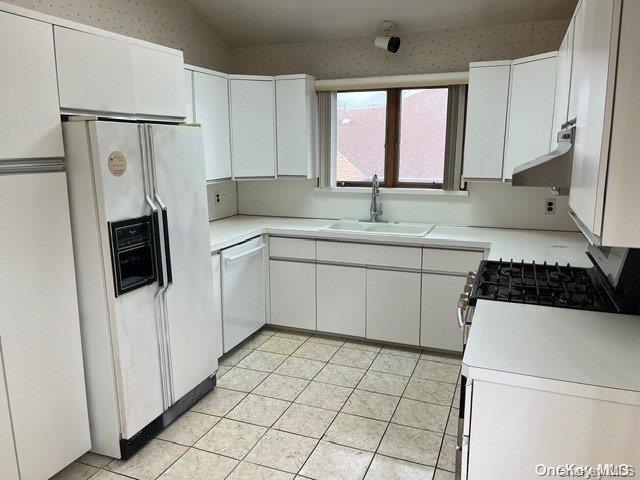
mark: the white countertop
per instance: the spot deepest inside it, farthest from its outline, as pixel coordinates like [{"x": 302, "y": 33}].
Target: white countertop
[
  {"x": 588, "y": 348},
  {"x": 519, "y": 245}
]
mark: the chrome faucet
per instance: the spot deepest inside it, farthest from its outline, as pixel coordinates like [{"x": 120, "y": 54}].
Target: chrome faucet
[{"x": 375, "y": 211}]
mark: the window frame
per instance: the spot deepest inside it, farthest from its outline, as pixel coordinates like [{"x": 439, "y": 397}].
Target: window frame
[{"x": 454, "y": 135}]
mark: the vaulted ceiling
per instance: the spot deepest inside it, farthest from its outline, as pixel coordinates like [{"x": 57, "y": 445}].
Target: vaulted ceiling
[{"x": 265, "y": 22}]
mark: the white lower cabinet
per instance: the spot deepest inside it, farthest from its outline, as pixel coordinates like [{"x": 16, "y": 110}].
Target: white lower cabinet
[
  {"x": 341, "y": 299},
  {"x": 439, "y": 328},
  {"x": 293, "y": 294},
  {"x": 393, "y": 306},
  {"x": 217, "y": 301}
]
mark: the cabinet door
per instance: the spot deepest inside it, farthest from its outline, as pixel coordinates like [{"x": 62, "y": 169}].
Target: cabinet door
[
  {"x": 439, "y": 325},
  {"x": 341, "y": 299},
  {"x": 533, "y": 83},
  {"x": 563, "y": 85},
  {"x": 295, "y": 122},
  {"x": 94, "y": 73},
  {"x": 29, "y": 102},
  {"x": 159, "y": 82},
  {"x": 486, "y": 120},
  {"x": 217, "y": 302},
  {"x": 211, "y": 94},
  {"x": 393, "y": 306},
  {"x": 8, "y": 461},
  {"x": 253, "y": 127},
  {"x": 188, "y": 95},
  {"x": 293, "y": 294}
]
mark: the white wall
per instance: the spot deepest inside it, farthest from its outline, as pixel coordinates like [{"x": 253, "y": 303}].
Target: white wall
[
  {"x": 488, "y": 205},
  {"x": 228, "y": 204}
]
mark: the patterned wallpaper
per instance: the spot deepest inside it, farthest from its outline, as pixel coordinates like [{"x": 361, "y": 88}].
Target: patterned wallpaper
[
  {"x": 166, "y": 22},
  {"x": 427, "y": 52}
]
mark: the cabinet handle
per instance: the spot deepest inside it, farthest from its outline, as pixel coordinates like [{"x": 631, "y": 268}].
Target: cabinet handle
[{"x": 245, "y": 254}]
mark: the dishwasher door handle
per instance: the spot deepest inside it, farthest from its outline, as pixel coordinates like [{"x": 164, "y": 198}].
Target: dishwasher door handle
[{"x": 244, "y": 254}]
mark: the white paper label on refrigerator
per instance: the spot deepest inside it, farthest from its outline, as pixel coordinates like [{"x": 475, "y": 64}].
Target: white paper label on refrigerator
[{"x": 117, "y": 163}]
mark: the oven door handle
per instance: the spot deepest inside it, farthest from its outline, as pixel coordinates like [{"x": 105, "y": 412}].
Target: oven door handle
[{"x": 463, "y": 303}]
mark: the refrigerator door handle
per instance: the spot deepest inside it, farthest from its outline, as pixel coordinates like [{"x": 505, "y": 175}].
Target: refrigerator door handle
[{"x": 167, "y": 246}]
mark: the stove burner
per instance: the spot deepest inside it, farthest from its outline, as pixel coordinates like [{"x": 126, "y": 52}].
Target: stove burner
[{"x": 552, "y": 285}]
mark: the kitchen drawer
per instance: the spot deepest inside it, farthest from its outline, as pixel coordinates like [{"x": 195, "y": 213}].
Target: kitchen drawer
[
  {"x": 282, "y": 247},
  {"x": 453, "y": 261},
  {"x": 368, "y": 254}
]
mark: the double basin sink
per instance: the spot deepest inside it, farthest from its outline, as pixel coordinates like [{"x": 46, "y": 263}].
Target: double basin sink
[{"x": 360, "y": 227}]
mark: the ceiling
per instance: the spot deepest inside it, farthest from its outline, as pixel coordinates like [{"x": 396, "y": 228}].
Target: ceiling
[{"x": 266, "y": 22}]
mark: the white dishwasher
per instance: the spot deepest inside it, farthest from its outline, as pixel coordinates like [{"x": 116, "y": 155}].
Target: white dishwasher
[{"x": 243, "y": 296}]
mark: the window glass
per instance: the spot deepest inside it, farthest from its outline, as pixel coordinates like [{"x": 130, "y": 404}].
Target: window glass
[
  {"x": 360, "y": 130},
  {"x": 423, "y": 135}
]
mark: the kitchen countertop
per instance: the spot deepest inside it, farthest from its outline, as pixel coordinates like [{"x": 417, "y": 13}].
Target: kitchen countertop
[{"x": 527, "y": 245}]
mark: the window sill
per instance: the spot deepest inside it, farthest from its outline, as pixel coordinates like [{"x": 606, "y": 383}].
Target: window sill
[{"x": 396, "y": 191}]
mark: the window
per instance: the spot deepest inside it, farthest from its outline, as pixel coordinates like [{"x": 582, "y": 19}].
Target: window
[{"x": 410, "y": 138}]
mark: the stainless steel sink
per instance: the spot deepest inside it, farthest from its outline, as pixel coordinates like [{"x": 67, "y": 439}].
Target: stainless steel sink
[{"x": 401, "y": 229}]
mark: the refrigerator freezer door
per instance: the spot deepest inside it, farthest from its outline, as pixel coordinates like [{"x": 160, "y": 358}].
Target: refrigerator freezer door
[
  {"x": 243, "y": 291},
  {"x": 120, "y": 187},
  {"x": 178, "y": 160},
  {"x": 39, "y": 326}
]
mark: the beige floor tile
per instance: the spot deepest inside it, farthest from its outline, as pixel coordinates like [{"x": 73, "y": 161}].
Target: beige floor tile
[
  {"x": 441, "y": 357},
  {"x": 447, "y": 458},
  {"x": 231, "y": 438},
  {"x": 394, "y": 364},
  {"x": 188, "y": 428},
  {"x": 300, "y": 367},
  {"x": 148, "y": 463},
  {"x": 218, "y": 402},
  {"x": 259, "y": 410},
  {"x": 297, "y": 335},
  {"x": 336, "y": 462},
  {"x": 222, "y": 369},
  {"x": 241, "y": 379},
  {"x": 400, "y": 351},
  {"x": 452, "y": 423},
  {"x": 340, "y": 375},
  {"x": 323, "y": 395},
  {"x": 282, "y": 451},
  {"x": 456, "y": 396},
  {"x": 386, "y": 468},
  {"x": 75, "y": 471},
  {"x": 279, "y": 386},
  {"x": 430, "y": 391},
  {"x": 95, "y": 460},
  {"x": 234, "y": 356},
  {"x": 199, "y": 465},
  {"x": 255, "y": 340},
  {"x": 411, "y": 444},
  {"x": 326, "y": 338},
  {"x": 249, "y": 471},
  {"x": 383, "y": 383},
  {"x": 363, "y": 345},
  {"x": 353, "y": 357},
  {"x": 107, "y": 475},
  {"x": 444, "y": 475},
  {"x": 441, "y": 372},
  {"x": 356, "y": 432},
  {"x": 305, "y": 420},
  {"x": 371, "y": 405},
  {"x": 262, "y": 361},
  {"x": 285, "y": 346},
  {"x": 316, "y": 351},
  {"x": 421, "y": 415}
]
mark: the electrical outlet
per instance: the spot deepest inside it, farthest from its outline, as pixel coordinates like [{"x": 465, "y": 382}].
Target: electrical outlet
[
  {"x": 550, "y": 206},
  {"x": 218, "y": 197}
]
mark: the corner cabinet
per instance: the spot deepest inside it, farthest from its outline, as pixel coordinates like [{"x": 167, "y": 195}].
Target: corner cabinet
[
  {"x": 296, "y": 120},
  {"x": 29, "y": 101},
  {"x": 293, "y": 294},
  {"x": 253, "y": 126}
]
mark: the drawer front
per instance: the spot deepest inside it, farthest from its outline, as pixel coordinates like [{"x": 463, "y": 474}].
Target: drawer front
[
  {"x": 451, "y": 261},
  {"x": 292, "y": 248},
  {"x": 368, "y": 254}
]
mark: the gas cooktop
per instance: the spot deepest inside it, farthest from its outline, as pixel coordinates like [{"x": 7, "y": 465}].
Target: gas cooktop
[{"x": 539, "y": 284}]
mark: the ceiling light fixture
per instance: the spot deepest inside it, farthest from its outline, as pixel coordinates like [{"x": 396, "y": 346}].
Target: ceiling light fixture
[{"x": 386, "y": 41}]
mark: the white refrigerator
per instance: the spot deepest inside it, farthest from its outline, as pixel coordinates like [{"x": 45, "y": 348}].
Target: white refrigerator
[{"x": 141, "y": 241}]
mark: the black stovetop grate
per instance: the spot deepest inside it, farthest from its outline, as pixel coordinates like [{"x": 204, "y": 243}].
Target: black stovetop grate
[{"x": 539, "y": 284}]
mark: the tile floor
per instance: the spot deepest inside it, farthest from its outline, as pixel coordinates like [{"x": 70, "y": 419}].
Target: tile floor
[{"x": 292, "y": 405}]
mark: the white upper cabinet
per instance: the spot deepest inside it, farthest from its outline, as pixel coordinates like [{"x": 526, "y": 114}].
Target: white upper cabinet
[
  {"x": 296, "y": 111},
  {"x": 563, "y": 85},
  {"x": 531, "y": 97},
  {"x": 188, "y": 95},
  {"x": 486, "y": 119},
  {"x": 29, "y": 101},
  {"x": 253, "y": 129},
  {"x": 158, "y": 79},
  {"x": 102, "y": 74},
  {"x": 211, "y": 110}
]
